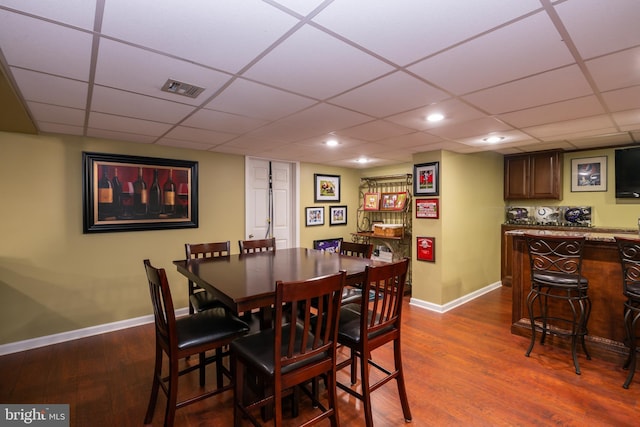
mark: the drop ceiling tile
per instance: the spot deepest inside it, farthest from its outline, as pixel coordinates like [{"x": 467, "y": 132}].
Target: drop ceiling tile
[
  {"x": 146, "y": 72},
  {"x": 324, "y": 118},
  {"x": 616, "y": 71},
  {"x": 48, "y": 89},
  {"x": 526, "y": 47},
  {"x": 623, "y": 99},
  {"x": 454, "y": 111},
  {"x": 113, "y": 101},
  {"x": 79, "y": 13},
  {"x": 375, "y": 131},
  {"x": 38, "y": 45},
  {"x": 180, "y": 143},
  {"x": 225, "y": 35},
  {"x": 567, "y": 129},
  {"x": 222, "y": 122},
  {"x": 329, "y": 67},
  {"x": 47, "y": 127},
  {"x": 120, "y": 136},
  {"x": 411, "y": 140},
  {"x": 553, "y": 86},
  {"x": 259, "y": 101},
  {"x": 199, "y": 135},
  {"x": 472, "y": 128},
  {"x": 303, "y": 7},
  {"x": 628, "y": 120},
  {"x": 401, "y": 93},
  {"x": 598, "y": 27},
  {"x": 126, "y": 124},
  {"x": 417, "y": 28},
  {"x": 620, "y": 138},
  {"x": 586, "y": 106},
  {"x": 57, "y": 114}
]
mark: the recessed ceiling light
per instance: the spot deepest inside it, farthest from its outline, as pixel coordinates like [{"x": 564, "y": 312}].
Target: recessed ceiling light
[
  {"x": 362, "y": 160},
  {"x": 332, "y": 142},
  {"x": 435, "y": 117},
  {"x": 493, "y": 139}
]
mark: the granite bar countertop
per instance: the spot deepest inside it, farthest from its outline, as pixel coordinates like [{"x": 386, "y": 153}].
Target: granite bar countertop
[{"x": 590, "y": 235}]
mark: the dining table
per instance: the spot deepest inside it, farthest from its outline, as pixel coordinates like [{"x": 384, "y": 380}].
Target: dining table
[{"x": 246, "y": 282}]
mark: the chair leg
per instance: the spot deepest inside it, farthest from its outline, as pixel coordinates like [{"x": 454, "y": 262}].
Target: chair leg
[
  {"x": 157, "y": 373},
  {"x": 237, "y": 372},
  {"x": 631, "y": 337},
  {"x": 332, "y": 396},
  {"x": 219, "y": 367},
  {"x": 354, "y": 366},
  {"x": 172, "y": 395},
  {"x": 366, "y": 391},
  {"x": 202, "y": 363},
  {"x": 402, "y": 391}
]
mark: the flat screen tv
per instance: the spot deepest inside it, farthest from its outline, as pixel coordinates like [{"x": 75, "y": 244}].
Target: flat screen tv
[{"x": 628, "y": 173}]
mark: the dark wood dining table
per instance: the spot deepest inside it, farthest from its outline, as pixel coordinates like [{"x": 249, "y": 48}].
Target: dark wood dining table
[{"x": 247, "y": 282}]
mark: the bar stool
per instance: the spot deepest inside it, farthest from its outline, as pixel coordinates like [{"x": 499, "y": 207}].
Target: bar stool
[
  {"x": 629, "y": 250},
  {"x": 556, "y": 274}
]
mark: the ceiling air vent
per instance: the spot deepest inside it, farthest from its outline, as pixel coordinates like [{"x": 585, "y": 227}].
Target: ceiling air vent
[{"x": 180, "y": 88}]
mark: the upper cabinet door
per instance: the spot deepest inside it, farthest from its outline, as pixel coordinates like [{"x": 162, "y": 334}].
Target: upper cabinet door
[{"x": 533, "y": 176}]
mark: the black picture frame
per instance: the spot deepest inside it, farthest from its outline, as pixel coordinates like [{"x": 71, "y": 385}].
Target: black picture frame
[
  {"x": 123, "y": 209},
  {"x": 326, "y": 188},
  {"x": 314, "y": 215},
  {"x": 337, "y": 215},
  {"x": 426, "y": 179}
]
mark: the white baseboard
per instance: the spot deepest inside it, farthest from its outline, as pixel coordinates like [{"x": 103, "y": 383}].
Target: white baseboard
[
  {"x": 455, "y": 303},
  {"x": 30, "y": 344}
]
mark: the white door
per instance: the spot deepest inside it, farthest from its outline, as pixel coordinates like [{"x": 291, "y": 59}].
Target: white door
[{"x": 271, "y": 200}]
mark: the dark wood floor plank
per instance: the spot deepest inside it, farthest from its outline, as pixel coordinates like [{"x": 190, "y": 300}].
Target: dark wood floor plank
[{"x": 463, "y": 367}]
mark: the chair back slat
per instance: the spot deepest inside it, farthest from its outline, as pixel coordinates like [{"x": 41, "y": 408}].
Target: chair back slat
[
  {"x": 260, "y": 245},
  {"x": 163, "y": 309},
  {"x": 207, "y": 250},
  {"x": 313, "y": 332},
  {"x": 385, "y": 286},
  {"x": 362, "y": 250}
]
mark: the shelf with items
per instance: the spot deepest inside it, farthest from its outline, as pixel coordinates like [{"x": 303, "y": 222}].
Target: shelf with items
[{"x": 384, "y": 214}]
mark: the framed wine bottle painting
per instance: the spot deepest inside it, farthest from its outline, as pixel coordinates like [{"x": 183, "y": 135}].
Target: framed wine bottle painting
[{"x": 132, "y": 193}]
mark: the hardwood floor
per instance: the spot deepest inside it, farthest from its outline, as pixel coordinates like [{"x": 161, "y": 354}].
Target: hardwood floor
[{"x": 463, "y": 367}]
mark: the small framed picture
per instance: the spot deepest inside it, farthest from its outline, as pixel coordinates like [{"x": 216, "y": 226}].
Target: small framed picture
[
  {"x": 426, "y": 249},
  {"x": 589, "y": 174},
  {"x": 314, "y": 216},
  {"x": 371, "y": 202},
  {"x": 426, "y": 179},
  {"x": 427, "y": 208},
  {"x": 337, "y": 215},
  {"x": 327, "y": 188},
  {"x": 393, "y": 201}
]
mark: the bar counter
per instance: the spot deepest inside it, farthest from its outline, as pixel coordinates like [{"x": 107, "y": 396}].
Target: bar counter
[{"x": 601, "y": 266}]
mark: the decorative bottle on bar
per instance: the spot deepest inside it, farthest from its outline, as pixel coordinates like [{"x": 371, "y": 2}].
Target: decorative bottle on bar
[
  {"x": 155, "y": 197},
  {"x": 105, "y": 196},
  {"x": 169, "y": 195},
  {"x": 117, "y": 194},
  {"x": 140, "y": 196}
]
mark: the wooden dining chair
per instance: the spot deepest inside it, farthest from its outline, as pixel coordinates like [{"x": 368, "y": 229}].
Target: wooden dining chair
[
  {"x": 182, "y": 337},
  {"x": 294, "y": 353},
  {"x": 353, "y": 294},
  {"x": 260, "y": 245},
  {"x": 199, "y": 299},
  {"x": 371, "y": 324}
]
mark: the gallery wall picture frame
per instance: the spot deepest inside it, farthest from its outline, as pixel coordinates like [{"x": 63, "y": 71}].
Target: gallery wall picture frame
[
  {"x": 394, "y": 201},
  {"x": 314, "y": 215},
  {"x": 428, "y": 208},
  {"x": 134, "y": 193},
  {"x": 326, "y": 188},
  {"x": 371, "y": 202},
  {"x": 426, "y": 179},
  {"x": 338, "y": 215},
  {"x": 589, "y": 174},
  {"x": 426, "y": 249}
]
